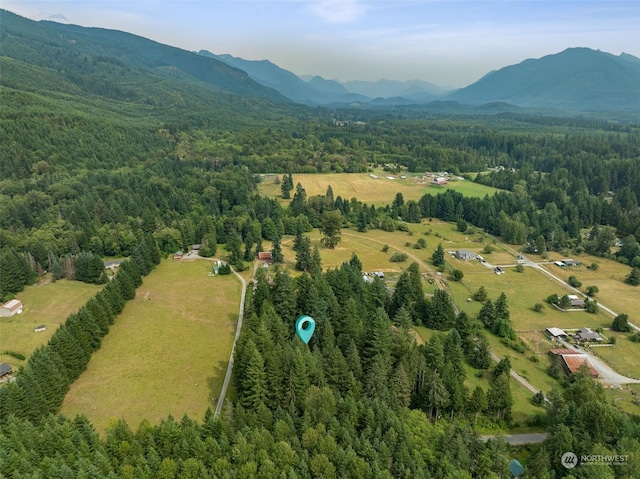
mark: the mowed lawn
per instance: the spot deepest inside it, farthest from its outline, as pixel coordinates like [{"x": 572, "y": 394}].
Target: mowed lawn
[
  {"x": 168, "y": 351},
  {"x": 377, "y": 191},
  {"x": 46, "y": 304}
]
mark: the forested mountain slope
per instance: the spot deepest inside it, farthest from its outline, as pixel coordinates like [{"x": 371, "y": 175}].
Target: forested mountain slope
[
  {"x": 53, "y": 45},
  {"x": 578, "y": 79}
]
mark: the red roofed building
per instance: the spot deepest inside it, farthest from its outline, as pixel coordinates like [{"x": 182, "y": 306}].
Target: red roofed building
[
  {"x": 264, "y": 255},
  {"x": 571, "y": 361}
]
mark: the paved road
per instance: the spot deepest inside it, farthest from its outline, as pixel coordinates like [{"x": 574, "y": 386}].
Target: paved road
[
  {"x": 519, "y": 439},
  {"x": 227, "y": 377}
]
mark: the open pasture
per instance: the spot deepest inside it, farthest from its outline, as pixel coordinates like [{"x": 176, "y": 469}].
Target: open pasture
[
  {"x": 377, "y": 191},
  {"x": 47, "y": 304},
  {"x": 624, "y": 356},
  {"x": 609, "y": 278},
  {"x": 166, "y": 353}
]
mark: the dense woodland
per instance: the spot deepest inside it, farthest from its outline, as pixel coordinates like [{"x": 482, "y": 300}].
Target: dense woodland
[
  {"x": 107, "y": 157},
  {"x": 362, "y": 400}
]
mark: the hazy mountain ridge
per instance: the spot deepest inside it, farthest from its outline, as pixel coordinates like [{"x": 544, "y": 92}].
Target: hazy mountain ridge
[
  {"x": 578, "y": 79},
  {"x": 575, "y": 80}
]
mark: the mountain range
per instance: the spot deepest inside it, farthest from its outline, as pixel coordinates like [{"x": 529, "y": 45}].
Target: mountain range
[{"x": 574, "y": 80}]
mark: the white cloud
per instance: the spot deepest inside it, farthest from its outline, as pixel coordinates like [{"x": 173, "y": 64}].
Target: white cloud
[{"x": 338, "y": 11}]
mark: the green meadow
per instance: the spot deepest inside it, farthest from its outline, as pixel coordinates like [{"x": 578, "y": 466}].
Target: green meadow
[
  {"x": 168, "y": 351},
  {"x": 377, "y": 191},
  {"x": 49, "y": 304}
]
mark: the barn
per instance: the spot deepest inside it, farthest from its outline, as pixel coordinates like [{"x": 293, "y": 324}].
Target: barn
[{"x": 11, "y": 308}]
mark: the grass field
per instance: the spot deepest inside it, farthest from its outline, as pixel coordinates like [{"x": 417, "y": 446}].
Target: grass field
[
  {"x": 49, "y": 304},
  {"x": 609, "y": 278},
  {"x": 377, "y": 191},
  {"x": 167, "y": 352},
  {"x": 627, "y": 398}
]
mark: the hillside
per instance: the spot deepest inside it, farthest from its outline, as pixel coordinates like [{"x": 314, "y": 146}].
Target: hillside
[
  {"x": 108, "y": 97},
  {"x": 272, "y": 76},
  {"x": 578, "y": 79},
  {"x": 61, "y": 47}
]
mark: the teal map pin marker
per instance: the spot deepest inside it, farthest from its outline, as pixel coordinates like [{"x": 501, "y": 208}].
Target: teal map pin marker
[{"x": 305, "y": 326}]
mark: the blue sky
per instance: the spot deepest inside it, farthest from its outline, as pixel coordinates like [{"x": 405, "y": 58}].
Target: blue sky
[{"x": 447, "y": 42}]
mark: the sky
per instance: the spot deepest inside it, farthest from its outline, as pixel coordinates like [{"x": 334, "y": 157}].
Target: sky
[{"x": 446, "y": 42}]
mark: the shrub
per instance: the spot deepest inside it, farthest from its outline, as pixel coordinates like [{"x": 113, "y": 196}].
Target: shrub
[
  {"x": 398, "y": 257},
  {"x": 635, "y": 338},
  {"x": 592, "y": 290},
  {"x": 385, "y": 248},
  {"x": 457, "y": 275},
  {"x": 480, "y": 295},
  {"x": 224, "y": 269},
  {"x": 538, "y": 399},
  {"x": 621, "y": 323},
  {"x": 573, "y": 281},
  {"x": 538, "y": 307},
  {"x": 488, "y": 249},
  {"x": 14, "y": 354},
  {"x": 594, "y": 266},
  {"x": 520, "y": 268}
]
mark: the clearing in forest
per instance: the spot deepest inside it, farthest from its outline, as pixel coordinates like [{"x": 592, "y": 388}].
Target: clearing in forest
[
  {"x": 167, "y": 352},
  {"x": 49, "y": 304},
  {"x": 376, "y": 191}
]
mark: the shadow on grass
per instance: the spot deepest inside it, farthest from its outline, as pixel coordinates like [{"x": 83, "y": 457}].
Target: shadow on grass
[{"x": 216, "y": 380}]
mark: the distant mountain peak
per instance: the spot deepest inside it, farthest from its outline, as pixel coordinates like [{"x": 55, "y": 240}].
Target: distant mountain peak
[{"x": 576, "y": 79}]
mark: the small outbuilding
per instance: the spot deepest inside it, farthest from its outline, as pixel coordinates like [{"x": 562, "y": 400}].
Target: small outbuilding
[
  {"x": 571, "y": 262},
  {"x": 11, "y": 308},
  {"x": 556, "y": 333},
  {"x": 264, "y": 255},
  {"x": 177, "y": 255},
  {"x": 5, "y": 370}
]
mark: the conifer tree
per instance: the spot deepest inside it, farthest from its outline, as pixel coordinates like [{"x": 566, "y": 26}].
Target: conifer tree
[
  {"x": 276, "y": 251},
  {"x": 315, "y": 267},
  {"x": 633, "y": 278},
  {"x": 254, "y": 382},
  {"x": 437, "y": 258},
  {"x": 487, "y": 314}
]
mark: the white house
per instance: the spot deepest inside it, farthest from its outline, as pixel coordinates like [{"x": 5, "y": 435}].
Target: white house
[{"x": 10, "y": 308}]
